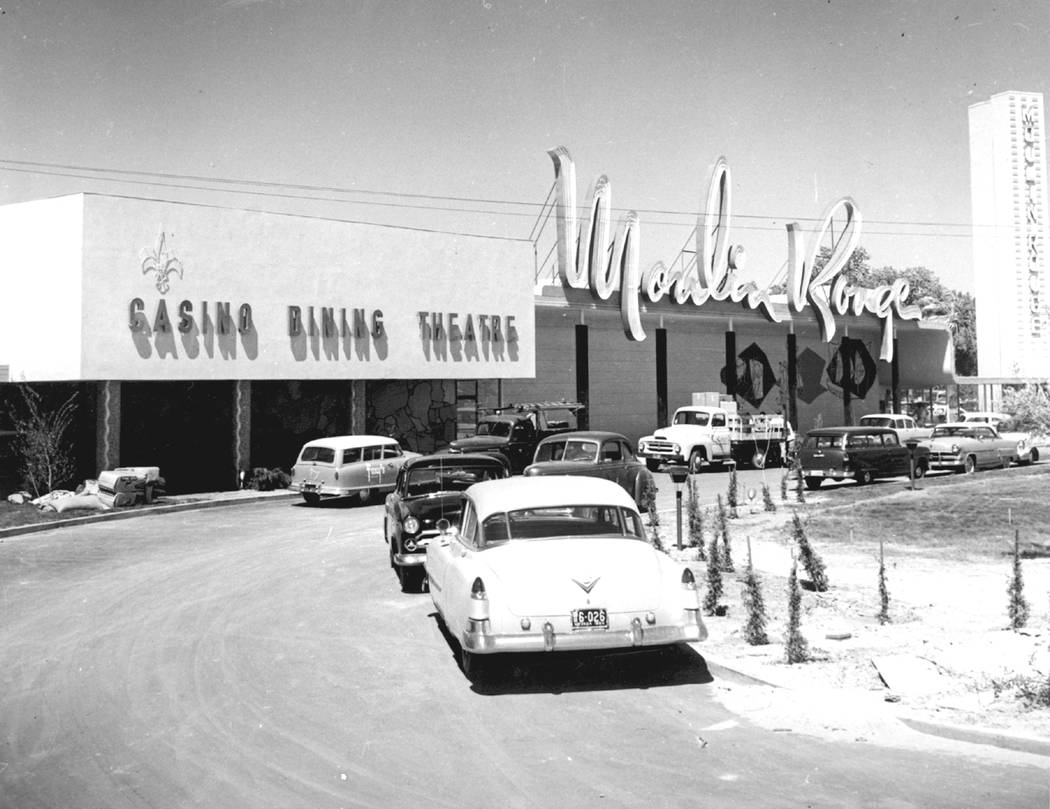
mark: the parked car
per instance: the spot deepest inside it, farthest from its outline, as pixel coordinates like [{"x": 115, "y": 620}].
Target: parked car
[
  {"x": 430, "y": 489},
  {"x": 905, "y": 426},
  {"x": 1030, "y": 447},
  {"x": 515, "y": 430},
  {"x": 969, "y": 446},
  {"x": 555, "y": 564},
  {"x": 344, "y": 465},
  {"x": 594, "y": 454},
  {"x": 861, "y": 453}
]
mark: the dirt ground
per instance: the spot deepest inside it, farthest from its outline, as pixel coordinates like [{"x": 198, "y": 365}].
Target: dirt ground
[{"x": 946, "y": 656}]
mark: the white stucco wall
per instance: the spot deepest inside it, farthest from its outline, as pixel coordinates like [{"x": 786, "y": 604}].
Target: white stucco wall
[
  {"x": 91, "y": 266},
  {"x": 40, "y": 289}
]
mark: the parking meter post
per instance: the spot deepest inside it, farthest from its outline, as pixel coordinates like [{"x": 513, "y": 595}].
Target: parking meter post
[
  {"x": 911, "y": 444},
  {"x": 678, "y": 477}
]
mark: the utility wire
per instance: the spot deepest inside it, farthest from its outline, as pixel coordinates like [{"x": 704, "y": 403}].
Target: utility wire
[{"x": 63, "y": 170}]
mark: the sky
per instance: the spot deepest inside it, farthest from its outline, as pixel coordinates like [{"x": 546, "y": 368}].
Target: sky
[{"x": 439, "y": 115}]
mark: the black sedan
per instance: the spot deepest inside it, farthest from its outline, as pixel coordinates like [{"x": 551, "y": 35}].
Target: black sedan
[
  {"x": 428, "y": 489},
  {"x": 594, "y": 453}
]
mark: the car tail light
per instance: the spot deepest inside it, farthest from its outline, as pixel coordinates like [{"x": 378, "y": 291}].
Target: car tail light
[
  {"x": 691, "y": 594},
  {"x": 479, "y": 602},
  {"x": 688, "y": 579},
  {"x": 411, "y": 525}
]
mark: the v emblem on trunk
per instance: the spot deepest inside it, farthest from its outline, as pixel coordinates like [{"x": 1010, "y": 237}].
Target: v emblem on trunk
[{"x": 587, "y": 584}]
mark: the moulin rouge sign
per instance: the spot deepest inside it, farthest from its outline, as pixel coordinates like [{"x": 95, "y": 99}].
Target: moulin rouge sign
[{"x": 714, "y": 275}]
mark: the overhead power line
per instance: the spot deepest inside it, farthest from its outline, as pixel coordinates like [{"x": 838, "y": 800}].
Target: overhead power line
[{"x": 425, "y": 202}]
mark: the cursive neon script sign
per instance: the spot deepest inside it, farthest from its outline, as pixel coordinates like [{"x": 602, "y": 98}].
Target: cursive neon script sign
[{"x": 598, "y": 261}]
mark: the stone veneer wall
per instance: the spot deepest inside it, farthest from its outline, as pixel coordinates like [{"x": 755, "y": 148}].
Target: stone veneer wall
[{"x": 421, "y": 414}]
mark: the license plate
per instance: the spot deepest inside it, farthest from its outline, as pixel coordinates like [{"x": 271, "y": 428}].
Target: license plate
[
  {"x": 311, "y": 487},
  {"x": 814, "y": 473},
  {"x": 590, "y": 618}
]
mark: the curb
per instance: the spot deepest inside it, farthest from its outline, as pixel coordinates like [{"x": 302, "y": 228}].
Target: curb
[
  {"x": 959, "y": 733},
  {"x": 994, "y": 738},
  {"x": 141, "y": 511}
]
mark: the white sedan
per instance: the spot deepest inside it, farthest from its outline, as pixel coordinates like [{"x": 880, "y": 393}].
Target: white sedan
[{"x": 557, "y": 563}]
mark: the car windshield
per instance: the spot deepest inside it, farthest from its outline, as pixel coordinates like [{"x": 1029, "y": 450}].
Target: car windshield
[
  {"x": 451, "y": 478},
  {"x": 943, "y": 432},
  {"x": 690, "y": 417},
  {"x": 876, "y": 421},
  {"x": 560, "y": 522},
  {"x": 500, "y": 428},
  {"x": 571, "y": 450},
  {"x": 317, "y": 455}
]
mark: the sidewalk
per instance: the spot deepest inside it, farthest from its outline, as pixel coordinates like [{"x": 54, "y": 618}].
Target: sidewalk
[{"x": 839, "y": 692}]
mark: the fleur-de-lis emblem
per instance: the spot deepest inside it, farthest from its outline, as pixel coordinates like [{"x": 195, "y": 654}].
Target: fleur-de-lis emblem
[{"x": 163, "y": 264}]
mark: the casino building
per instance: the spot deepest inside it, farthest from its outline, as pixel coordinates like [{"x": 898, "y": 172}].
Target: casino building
[{"x": 208, "y": 340}]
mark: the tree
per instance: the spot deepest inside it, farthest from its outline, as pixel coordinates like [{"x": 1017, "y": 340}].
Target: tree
[
  {"x": 926, "y": 291},
  {"x": 1029, "y": 407}
]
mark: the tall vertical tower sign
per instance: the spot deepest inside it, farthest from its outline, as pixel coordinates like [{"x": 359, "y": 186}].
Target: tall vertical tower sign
[{"x": 1009, "y": 204}]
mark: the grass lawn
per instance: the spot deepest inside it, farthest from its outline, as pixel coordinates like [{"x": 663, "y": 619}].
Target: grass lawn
[{"x": 958, "y": 515}]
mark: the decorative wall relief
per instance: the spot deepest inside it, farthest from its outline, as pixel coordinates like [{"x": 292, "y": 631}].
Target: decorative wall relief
[
  {"x": 420, "y": 414},
  {"x": 754, "y": 375},
  {"x": 852, "y": 368},
  {"x": 810, "y": 369}
]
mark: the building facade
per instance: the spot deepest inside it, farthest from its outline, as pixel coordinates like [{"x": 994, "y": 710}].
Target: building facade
[
  {"x": 209, "y": 341},
  {"x": 1009, "y": 205}
]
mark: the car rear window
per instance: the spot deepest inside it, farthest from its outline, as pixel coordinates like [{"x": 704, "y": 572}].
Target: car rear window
[
  {"x": 318, "y": 454},
  {"x": 822, "y": 442},
  {"x": 583, "y": 451},
  {"x": 562, "y": 522},
  {"x": 434, "y": 479}
]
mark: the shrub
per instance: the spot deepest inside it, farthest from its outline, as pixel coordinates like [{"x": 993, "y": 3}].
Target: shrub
[
  {"x": 884, "y": 593},
  {"x": 1018, "y": 607},
  {"x": 45, "y": 457},
  {"x": 810, "y": 558},
  {"x": 713, "y": 593},
  {"x": 267, "y": 480},
  {"x": 722, "y": 529},
  {"x": 767, "y": 499},
  {"x": 795, "y": 646},
  {"x": 732, "y": 495},
  {"x": 754, "y": 605}
]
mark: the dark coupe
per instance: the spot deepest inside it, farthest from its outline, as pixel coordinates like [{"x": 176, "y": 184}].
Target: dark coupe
[
  {"x": 428, "y": 489},
  {"x": 594, "y": 453}
]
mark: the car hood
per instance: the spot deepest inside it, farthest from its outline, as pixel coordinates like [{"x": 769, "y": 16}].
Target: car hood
[
  {"x": 478, "y": 443},
  {"x": 551, "y": 577},
  {"x": 676, "y": 432}
]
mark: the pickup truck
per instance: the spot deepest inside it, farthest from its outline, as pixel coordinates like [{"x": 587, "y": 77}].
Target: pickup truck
[
  {"x": 514, "y": 431},
  {"x": 700, "y": 435},
  {"x": 905, "y": 426}
]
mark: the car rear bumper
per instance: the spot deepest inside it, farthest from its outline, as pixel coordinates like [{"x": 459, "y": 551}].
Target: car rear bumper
[{"x": 479, "y": 640}]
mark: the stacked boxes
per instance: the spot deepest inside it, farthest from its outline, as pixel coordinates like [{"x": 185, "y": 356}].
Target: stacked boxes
[{"x": 130, "y": 485}]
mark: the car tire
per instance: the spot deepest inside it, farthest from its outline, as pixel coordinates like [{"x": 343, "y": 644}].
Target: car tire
[
  {"x": 813, "y": 483},
  {"x": 312, "y": 499},
  {"x": 696, "y": 462},
  {"x": 652, "y": 464},
  {"x": 364, "y": 496},
  {"x": 411, "y": 579},
  {"x": 969, "y": 465},
  {"x": 1004, "y": 462},
  {"x": 864, "y": 477},
  {"x": 477, "y": 668},
  {"x": 920, "y": 471},
  {"x": 1034, "y": 456}
]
